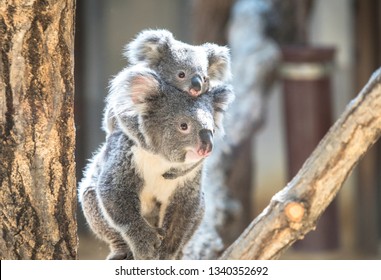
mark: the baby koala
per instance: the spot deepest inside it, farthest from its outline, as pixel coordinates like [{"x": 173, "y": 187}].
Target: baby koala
[
  {"x": 192, "y": 69},
  {"x": 186, "y": 67},
  {"x": 141, "y": 192}
]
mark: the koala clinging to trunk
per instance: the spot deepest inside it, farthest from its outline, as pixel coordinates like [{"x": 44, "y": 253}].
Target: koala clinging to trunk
[
  {"x": 189, "y": 68},
  {"x": 141, "y": 192}
]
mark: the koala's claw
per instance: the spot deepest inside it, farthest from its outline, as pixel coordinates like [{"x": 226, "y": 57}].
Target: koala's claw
[
  {"x": 157, "y": 245},
  {"x": 117, "y": 256},
  {"x": 161, "y": 233}
]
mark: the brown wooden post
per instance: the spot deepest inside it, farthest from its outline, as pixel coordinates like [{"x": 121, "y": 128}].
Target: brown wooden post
[{"x": 307, "y": 104}]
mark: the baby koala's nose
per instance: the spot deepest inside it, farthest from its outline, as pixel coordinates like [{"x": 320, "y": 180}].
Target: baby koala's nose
[{"x": 196, "y": 85}]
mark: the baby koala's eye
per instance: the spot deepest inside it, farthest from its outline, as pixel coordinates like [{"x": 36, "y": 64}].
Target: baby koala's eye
[
  {"x": 205, "y": 79},
  {"x": 181, "y": 74}
]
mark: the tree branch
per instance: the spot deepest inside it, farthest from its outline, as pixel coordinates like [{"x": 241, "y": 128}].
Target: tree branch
[{"x": 295, "y": 210}]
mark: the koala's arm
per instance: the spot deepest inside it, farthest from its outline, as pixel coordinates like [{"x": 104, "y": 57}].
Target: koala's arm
[
  {"x": 118, "y": 194},
  {"x": 181, "y": 219}
]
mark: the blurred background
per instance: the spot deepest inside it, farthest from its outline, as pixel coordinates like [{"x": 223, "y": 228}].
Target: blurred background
[{"x": 338, "y": 47}]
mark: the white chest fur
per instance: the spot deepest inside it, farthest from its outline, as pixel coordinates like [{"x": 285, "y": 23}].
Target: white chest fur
[{"x": 151, "y": 168}]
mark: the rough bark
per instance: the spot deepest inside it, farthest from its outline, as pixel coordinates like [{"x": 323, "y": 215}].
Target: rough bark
[
  {"x": 295, "y": 210},
  {"x": 37, "y": 168}
]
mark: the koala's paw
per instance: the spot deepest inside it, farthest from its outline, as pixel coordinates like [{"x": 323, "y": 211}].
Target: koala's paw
[
  {"x": 148, "y": 244},
  {"x": 120, "y": 255},
  {"x": 168, "y": 251}
]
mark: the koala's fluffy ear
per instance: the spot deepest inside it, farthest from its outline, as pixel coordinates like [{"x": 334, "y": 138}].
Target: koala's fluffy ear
[
  {"x": 130, "y": 89},
  {"x": 222, "y": 97},
  {"x": 148, "y": 46},
  {"x": 219, "y": 62},
  {"x": 141, "y": 86}
]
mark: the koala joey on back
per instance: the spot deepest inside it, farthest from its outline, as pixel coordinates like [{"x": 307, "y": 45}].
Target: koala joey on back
[
  {"x": 186, "y": 67},
  {"x": 141, "y": 191},
  {"x": 192, "y": 69}
]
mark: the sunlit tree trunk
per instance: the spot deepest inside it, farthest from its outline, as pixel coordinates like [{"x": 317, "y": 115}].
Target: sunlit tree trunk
[{"x": 37, "y": 167}]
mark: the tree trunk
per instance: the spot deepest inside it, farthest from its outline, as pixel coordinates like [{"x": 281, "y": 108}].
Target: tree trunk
[
  {"x": 37, "y": 167},
  {"x": 295, "y": 210}
]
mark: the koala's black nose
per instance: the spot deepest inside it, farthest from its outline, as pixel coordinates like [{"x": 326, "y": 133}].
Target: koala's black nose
[
  {"x": 196, "y": 83},
  {"x": 206, "y": 137}
]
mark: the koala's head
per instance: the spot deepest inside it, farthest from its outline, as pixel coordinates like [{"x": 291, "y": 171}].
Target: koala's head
[
  {"x": 188, "y": 68},
  {"x": 164, "y": 119}
]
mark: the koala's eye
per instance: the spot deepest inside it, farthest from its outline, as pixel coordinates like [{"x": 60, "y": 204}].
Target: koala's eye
[
  {"x": 181, "y": 74},
  {"x": 205, "y": 79},
  {"x": 184, "y": 126}
]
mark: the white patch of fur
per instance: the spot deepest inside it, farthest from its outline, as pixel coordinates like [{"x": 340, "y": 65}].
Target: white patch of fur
[
  {"x": 119, "y": 97},
  {"x": 152, "y": 167},
  {"x": 89, "y": 179}
]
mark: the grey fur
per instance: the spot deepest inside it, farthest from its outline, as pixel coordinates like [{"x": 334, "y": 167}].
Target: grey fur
[
  {"x": 141, "y": 192},
  {"x": 209, "y": 64}
]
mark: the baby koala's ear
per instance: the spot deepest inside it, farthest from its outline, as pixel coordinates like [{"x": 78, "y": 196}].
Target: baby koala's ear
[
  {"x": 219, "y": 62},
  {"x": 149, "y": 46}
]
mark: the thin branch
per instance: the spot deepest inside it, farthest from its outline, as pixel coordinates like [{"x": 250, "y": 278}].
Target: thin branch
[{"x": 295, "y": 210}]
